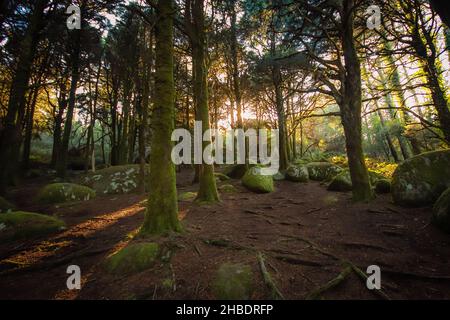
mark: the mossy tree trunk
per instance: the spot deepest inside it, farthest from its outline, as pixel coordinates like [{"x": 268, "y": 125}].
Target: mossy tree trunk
[
  {"x": 351, "y": 105},
  {"x": 196, "y": 29},
  {"x": 162, "y": 209}
]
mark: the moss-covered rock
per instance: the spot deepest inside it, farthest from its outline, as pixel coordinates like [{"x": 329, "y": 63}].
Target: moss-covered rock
[
  {"x": 297, "y": 173},
  {"x": 227, "y": 188},
  {"x": 233, "y": 282},
  {"x": 420, "y": 180},
  {"x": 236, "y": 171},
  {"x": 323, "y": 171},
  {"x": 6, "y": 206},
  {"x": 133, "y": 258},
  {"x": 441, "y": 212},
  {"x": 187, "y": 196},
  {"x": 256, "y": 182},
  {"x": 25, "y": 225},
  {"x": 64, "y": 192},
  {"x": 221, "y": 176},
  {"x": 343, "y": 181},
  {"x": 279, "y": 176},
  {"x": 383, "y": 186},
  {"x": 115, "y": 180}
]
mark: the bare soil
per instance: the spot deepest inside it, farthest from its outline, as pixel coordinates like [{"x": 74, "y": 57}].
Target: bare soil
[{"x": 304, "y": 232}]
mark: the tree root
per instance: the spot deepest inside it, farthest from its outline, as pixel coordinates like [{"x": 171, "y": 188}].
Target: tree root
[
  {"x": 275, "y": 293},
  {"x": 315, "y": 294},
  {"x": 363, "y": 276}
]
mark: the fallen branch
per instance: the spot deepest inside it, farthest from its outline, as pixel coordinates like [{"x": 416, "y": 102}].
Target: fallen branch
[{"x": 276, "y": 294}]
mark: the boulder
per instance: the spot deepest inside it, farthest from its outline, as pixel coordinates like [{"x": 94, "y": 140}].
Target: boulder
[
  {"x": 256, "y": 182},
  {"x": 233, "y": 282},
  {"x": 187, "y": 196},
  {"x": 236, "y": 171},
  {"x": 279, "y": 176},
  {"x": 441, "y": 212},
  {"x": 133, "y": 258},
  {"x": 323, "y": 171},
  {"x": 64, "y": 192},
  {"x": 221, "y": 176},
  {"x": 26, "y": 225},
  {"x": 227, "y": 188},
  {"x": 115, "y": 180},
  {"x": 297, "y": 173},
  {"x": 343, "y": 182},
  {"x": 420, "y": 180},
  {"x": 6, "y": 206}
]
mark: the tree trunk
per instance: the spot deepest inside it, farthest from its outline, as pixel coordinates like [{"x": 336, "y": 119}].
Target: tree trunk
[
  {"x": 350, "y": 106},
  {"x": 10, "y": 135},
  {"x": 162, "y": 209}
]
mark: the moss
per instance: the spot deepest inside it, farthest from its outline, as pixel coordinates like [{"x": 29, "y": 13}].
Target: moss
[
  {"x": 133, "y": 258},
  {"x": 24, "y": 225},
  {"x": 187, "y": 196},
  {"x": 64, "y": 192},
  {"x": 343, "y": 182},
  {"x": 254, "y": 181},
  {"x": 236, "y": 171},
  {"x": 441, "y": 212},
  {"x": 221, "y": 176},
  {"x": 420, "y": 180},
  {"x": 6, "y": 206},
  {"x": 233, "y": 282},
  {"x": 383, "y": 186},
  {"x": 115, "y": 180},
  {"x": 227, "y": 188},
  {"x": 297, "y": 173},
  {"x": 323, "y": 171}
]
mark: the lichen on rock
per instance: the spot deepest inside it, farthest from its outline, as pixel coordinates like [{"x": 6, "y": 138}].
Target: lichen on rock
[
  {"x": 322, "y": 171},
  {"x": 297, "y": 173}
]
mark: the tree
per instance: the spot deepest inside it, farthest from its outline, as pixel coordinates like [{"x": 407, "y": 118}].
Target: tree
[{"x": 162, "y": 209}]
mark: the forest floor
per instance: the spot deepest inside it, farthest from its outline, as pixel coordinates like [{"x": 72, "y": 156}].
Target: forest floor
[{"x": 303, "y": 230}]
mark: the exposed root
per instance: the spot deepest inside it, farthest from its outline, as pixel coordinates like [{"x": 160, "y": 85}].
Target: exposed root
[
  {"x": 317, "y": 293},
  {"x": 275, "y": 293}
]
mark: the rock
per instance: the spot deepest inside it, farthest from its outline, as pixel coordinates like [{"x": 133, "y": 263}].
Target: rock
[
  {"x": 297, "y": 173},
  {"x": 279, "y": 176},
  {"x": 221, "y": 176},
  {"x": 26, "y": 225},
  {"x": 115, "y": 180},
  {"x": 6, "y": 206},
  {"x": 233, "y": 282},
  {"x": 343, "y": 182},
  {"x": 420, "y": 180},
  {"x": 256, "y": 182},
  {"x": 187, "y": 196},
  {"x": 133, "y": 258},
  {"x": 227, "y": 188},
  {"x": 441, "y": 212},
  {"x": 383, "y": 186},
  {"x": 323, "y": 171},
  {"x": 64, "y": 192}
]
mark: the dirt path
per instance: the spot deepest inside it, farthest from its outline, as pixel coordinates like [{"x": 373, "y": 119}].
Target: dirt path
[{"x": 303, "y": 231}]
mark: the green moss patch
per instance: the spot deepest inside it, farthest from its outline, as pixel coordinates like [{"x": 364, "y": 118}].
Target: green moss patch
[
  {"x": 187, "y": 196},
  {"x": 256, "y": 182},
  {"x": 64, "y": 192},
  {"x": 297, "y": 173},
  {"x": 115, "y": 180},
  {"x": 233, "y": 282},
  {"x": 420, "y": 180},
  {"x": 6, "y": 206},
  {"x": 227, "y": 188},
  {"x": 221, "y": 176},
  {"x": 441, "y": 212},
  {"x": 133, "y": 258},
  {"x": 343, "y": 181},
  {"x": 24, "y": 225}
]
